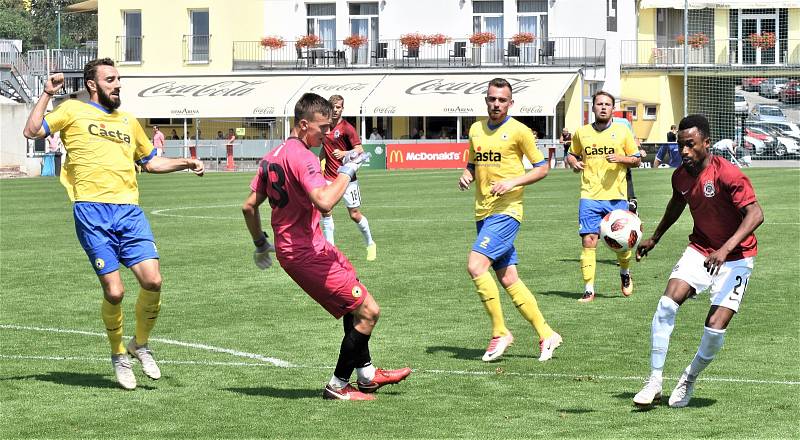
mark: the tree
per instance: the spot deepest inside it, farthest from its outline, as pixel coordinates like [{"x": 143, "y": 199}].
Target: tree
[
  {"x": 75, "y": 28},
  {"x": 15, "y": 22}
]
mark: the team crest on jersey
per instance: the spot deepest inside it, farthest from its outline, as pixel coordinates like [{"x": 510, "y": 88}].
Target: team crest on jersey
[
  {"x": 99, "y": 263},
  {"x": 356, "y": 292},
  {"x": 708, "y": 189},
  {"x": 336, "y": 134}
]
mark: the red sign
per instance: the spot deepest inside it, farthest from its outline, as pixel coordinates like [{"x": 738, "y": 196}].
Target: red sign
[{"x": 406, "y": 156}]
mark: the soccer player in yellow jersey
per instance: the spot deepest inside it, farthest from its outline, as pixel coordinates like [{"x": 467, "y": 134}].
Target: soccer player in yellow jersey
[
  {"x": 103, "y": 145},
  {"x": 496, "y": 148},
  {"x": 602, "y": 151}
]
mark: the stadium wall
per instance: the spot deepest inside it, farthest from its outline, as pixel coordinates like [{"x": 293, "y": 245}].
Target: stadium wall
[{"x": 13, "y": 145}]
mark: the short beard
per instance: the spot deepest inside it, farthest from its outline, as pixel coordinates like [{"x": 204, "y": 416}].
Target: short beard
[{"x": 106, "y": 101}]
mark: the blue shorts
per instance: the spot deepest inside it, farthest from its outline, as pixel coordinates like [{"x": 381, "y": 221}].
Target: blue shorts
[
  {"x": 591, "y": 212},
  {"x": 496, "y": 235},
  {"x": 111, "y": 234}
]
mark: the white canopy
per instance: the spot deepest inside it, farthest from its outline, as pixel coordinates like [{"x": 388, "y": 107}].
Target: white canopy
[
  {"x": 433, "y": 94},
  {"x": 208, "y": 96},
  {"x": 353, "y": 88},
  {"x": 720, "y": 4},
  {"x": 535, "y": 94}
]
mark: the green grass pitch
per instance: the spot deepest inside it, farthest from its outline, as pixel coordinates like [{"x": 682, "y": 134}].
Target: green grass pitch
[{"x": 218, "y": 309}]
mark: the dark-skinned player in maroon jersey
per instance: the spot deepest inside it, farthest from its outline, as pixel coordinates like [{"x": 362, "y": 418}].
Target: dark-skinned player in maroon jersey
[
  {"x": 719, "y": 257},
  {"x": 340, "y": 139},
  {"x": 289, "y": 177}
]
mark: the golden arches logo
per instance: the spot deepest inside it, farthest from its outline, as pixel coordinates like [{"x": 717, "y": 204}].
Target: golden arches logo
[
  {"x": 465, "y": 156},
  {"x": 396, "y": 156}
]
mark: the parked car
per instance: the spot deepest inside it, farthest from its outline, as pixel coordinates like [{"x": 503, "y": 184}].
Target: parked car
[
  {"x": 740, "y": 104},
  {"x": 772, "y": 87},
  {"x": 791, "y": 93},
  {"x": 751, "y": 84},
  {"x": 789, "y": 129},
  {"x": 774, "y": 141},
  {"x": 766, "y": 112}
]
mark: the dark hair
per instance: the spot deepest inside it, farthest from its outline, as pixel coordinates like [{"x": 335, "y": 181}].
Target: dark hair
[
  {"x": 500, "y": 83},
  {"x": 673, "y": 126},
  {"x": 604, "y": 93},
  {"x": 90, "y": 69},
  {"x": 335, "y": 98},
  {"x": 697, "y": 121},
  {"x": 309, "y": 104}
]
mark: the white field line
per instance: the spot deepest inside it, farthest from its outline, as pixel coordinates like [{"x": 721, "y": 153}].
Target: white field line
[
  {"x": 167, "y": 212},
  {"x": 284, "y": 364},
  {"x": 258, "y": 357}
]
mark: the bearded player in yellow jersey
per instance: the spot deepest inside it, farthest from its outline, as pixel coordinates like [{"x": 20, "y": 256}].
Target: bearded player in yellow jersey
[
  {"x": 103, "y": 145},
  {"x": 602, "y": 152},
  {"x": 496, "y": 149}
]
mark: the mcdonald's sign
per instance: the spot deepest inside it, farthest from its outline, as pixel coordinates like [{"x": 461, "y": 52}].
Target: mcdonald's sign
[{"x": 438, "y": 155}]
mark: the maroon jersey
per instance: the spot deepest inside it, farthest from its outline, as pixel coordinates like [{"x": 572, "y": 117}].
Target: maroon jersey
[
  {"x": 341, "y": 137},
  {"x": 287, "y": 174},
  {"x": 715, "y": 199}
]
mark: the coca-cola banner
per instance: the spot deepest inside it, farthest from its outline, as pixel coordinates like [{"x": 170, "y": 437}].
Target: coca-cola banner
[
  {"x": 463, "y": 95},
  {"x": 353, "y": 88},
  {"x": 209, "y": 96}
]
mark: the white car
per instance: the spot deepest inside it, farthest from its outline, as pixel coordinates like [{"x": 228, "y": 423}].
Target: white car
[
  {"x": 786, "y": 145},
  {"x": 740, "y": 104}
]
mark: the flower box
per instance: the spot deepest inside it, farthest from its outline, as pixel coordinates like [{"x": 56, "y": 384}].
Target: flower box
[
  {"x": 523, "y": 38},
  {"x": 273, "y": 42},
  {"x": 437, "y": 39},
  {"x": 355, "y": 41},
  {"x": 310, "y": 40},
  {"x": 697, "y": 40},
  {"x": 412, "y": 41},
  {"x": 481, "y": 38},
  {"x": 764, "y": 40}
]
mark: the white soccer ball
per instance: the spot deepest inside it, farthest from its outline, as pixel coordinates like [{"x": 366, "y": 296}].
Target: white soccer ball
[{"x": 621, "y": 230}]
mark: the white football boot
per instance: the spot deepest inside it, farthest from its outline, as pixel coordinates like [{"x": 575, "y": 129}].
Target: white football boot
[
  {"x": 682, "y": 393},
  {"x": 650, "y": 393},
  {"x": 123, "y": 371},
  {"x": 145, "y": 356}
]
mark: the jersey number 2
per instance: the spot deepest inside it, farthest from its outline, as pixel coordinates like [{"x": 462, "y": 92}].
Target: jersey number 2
[{"x": 276, "y": 192}]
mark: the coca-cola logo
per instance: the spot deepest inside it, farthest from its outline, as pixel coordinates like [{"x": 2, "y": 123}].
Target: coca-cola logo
[
  {"x": 452, "y": 87},
  {"x": 531, "y": 109},
  {"x": 267, "y": 110},
  {"x": 385, "y": 110},
  {"x": 222, "y": 88},
  {"x": 349, "y": 87}
]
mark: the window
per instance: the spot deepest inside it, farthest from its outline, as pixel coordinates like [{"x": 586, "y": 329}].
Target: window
[
  {"x": 199, "y": 36},
  {"x": 532, "y": 18},
  {"x": 631, "y": 109},
  {"x": 132, "y": 40},
  {"x": 611, "y": 15},
  {"x": 649, "y": 112},
  {"x": 487, "y": 16},
  {"x": 364, "y": 21},
  {"x": 321, "y": 21}
]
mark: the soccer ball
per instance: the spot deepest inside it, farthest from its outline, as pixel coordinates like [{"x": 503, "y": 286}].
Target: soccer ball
[{"x": 621, "y": 230}]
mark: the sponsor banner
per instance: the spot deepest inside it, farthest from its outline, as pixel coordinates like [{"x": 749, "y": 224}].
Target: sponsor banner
[
  {"x": 445, "y": 155},
  {"x": 377, "y": 160}
]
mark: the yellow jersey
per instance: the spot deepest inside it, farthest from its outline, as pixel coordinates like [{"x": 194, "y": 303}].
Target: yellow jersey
[
  {"x": 496, "y": 154},
  {"x": 101, "y": 146},
  {"x": 600, "y": 179}
]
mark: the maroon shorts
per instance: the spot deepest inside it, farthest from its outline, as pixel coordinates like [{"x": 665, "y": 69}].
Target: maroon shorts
[{"x": 329, "y": 278}]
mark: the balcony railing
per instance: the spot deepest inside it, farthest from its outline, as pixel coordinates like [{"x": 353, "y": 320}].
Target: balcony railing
[
  {"x": 196, "y": 49},
  {"x": 59, "y": 60},
  {"x": 718, "y": 52},
  {"x": 129, "y": 49},
  {"x": 561, "y": 52}
]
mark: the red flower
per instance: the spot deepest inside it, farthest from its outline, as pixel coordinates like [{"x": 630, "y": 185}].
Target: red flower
[
  {"x": 273, "y": 42},
  {"x": 764, "y": 40},
  {"x": 523, "y": 38},
  {"x": 481, "y": 38},
  {"x": 309, "y": 40},
  {"x": 412, "y": 41},
  {"x": 355, "y": 41},
  {"x": 437, "y": 39}
]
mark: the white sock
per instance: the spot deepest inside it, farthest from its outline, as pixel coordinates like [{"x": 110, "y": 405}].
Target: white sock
[
  {"x": 366, "y": 374},
  {"x": 363, "y": 225},
  {"x": 589, "y": 288},
  {"x": 337, "y": 383},
  {"x": 710, "y": 344},
  {"x": 659, "y": 374},
  {"x": 663, "y": 324},
  {"x": 327, "y": 228}
]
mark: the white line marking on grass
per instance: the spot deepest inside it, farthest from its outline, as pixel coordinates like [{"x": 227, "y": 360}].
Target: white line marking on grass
[{"x": 258, "y": 357}]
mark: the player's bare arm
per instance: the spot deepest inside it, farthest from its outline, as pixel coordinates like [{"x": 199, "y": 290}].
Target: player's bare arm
[
  {"x": 753, "y": 218},
  {"x": 629, "y": 161},
  {"x": 575, "y": 163},
  {"x": 466, "y": 178},
  {"x": 33, "y": 127},
  {"x": 160, "y": 165},
  {"x": 532, "y": 176},
  {"x": 326, "y": 197},
  {"x": 252, "y": 215},
  {"x": 672, "y": 213}
]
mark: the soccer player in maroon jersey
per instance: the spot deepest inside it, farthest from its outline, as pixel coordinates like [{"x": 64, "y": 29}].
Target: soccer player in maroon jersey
[
  {"x": 289, "y": 177},
  {"x": 340, "y": 139},
  {"x": 719, "y": 256}
]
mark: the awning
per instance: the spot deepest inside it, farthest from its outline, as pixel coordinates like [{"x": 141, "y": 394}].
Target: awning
[
  {"x": 720, "y": 4},
  {"x": 353, "y": 88},
  {"x": 462, "y": 95},
  {"x": 209, "y": 96},
  {"x": 85, "y": 6}
]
